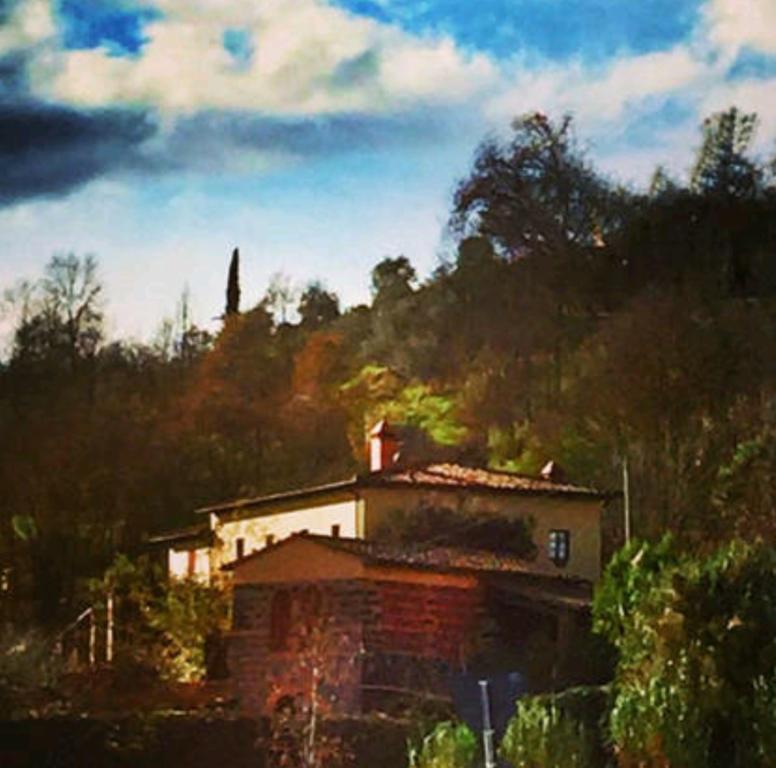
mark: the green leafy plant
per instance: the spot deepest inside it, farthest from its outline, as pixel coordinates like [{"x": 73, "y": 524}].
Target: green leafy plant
[
  {"x": 557, "y": 731},
  {"x": 163, "y": 623},
  {"x": 27, "y": 668},
  {"x": 697, "y": 643},
  {"x": 449, "y": 745}
]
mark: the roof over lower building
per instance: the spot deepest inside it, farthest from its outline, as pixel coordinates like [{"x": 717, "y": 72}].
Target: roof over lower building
[
  {"x": 508, "y": 573},
  {"x": 432, "y": 476}
]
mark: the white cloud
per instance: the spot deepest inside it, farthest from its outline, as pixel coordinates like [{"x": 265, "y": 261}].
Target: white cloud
[
  {"x": 595, "y": 96},
  {"x": 31, "y": 23},
  {"x": 733, "y": 24},
  {"x": 310, "y": 58}
]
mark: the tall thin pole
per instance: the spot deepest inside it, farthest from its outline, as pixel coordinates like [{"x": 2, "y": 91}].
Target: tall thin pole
[
  {"x": 109, "y": 631},
  {"x": 92, "y": 639},
  {"x": 626, "y": 498},
  {"x": 487, "y": 728}
]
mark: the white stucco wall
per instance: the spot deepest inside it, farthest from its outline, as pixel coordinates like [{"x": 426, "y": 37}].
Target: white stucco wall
[
  {"x": 178, "y": 563},
  {"x": 281, "y": 525}
]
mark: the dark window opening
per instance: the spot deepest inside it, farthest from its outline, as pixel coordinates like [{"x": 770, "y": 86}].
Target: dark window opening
[
  {"x": 269, "y": 540},
  {"x": 335, "y": 531},
  {"x": 559, "y": 547},
  {"x": 280, "y": 621},
  {"x": 240, "y": 547},
  {"x": 192, "y": 563}
]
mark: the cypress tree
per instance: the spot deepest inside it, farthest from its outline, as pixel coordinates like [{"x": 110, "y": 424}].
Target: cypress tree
[{"x": 233, "y": 285}]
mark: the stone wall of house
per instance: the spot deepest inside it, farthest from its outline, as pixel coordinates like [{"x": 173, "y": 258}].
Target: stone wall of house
[
  {"x": 415, "y": 637},
  {"x": 324, "y": 633},
  {"x": 373, "y": 640}
]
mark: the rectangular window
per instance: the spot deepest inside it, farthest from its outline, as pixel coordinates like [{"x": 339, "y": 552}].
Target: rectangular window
[
  {"x": 559, "y": 547},
  {"x": 191, "y": 568},
  {"x": 240, "y": 547},
  {"x": 269, "y": 540},
  {"x": 335, "y": 531}
]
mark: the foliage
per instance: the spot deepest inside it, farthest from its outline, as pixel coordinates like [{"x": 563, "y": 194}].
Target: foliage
[
  {"x": 633, "y": 573},
  {"x": 722, "y": 166},
  {"x": 696, "y": 638},
  {"x": 448, "y": 745},
  {"x": 557, "y": 731},
  {"x": 317, "y": 306},
  {"x": 233, "y": 285},
  {"x": 298, "y": 735},
  {"x": 446, "y": 527},
  {"x": 27, "y": 666},
  {"x": 378, "y": 392},
  {"x": 166, "y": 624},
  {"x": 569, "y": 320}
]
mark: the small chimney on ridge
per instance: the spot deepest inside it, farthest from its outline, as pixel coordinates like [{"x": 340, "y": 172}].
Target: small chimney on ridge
[
  {"x": 553, "y": 471},
  {"x": 383, "y": 447}
]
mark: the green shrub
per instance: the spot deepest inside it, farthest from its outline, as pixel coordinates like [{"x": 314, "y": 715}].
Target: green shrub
[
  {"x": 27, "y": 667},
  {"x": 697, "y": 645},
  {"x": 449, "y": 745},
  {"x": 557, "y": 731}
]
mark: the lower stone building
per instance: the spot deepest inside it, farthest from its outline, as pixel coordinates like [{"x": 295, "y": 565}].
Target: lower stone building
[{"x": 353, "y": 626}]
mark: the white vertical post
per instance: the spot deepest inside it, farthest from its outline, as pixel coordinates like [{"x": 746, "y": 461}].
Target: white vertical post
[
  {"x": 487, "y": 728},
  {"x": 109, "y": 630},
  {"x": 92, "y": 639}
]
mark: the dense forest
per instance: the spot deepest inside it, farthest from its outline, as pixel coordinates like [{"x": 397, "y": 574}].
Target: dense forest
[{"x": 573, "y": 319}]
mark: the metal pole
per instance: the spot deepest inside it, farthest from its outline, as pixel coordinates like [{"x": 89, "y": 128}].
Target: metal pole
[
  {"x": 487, "y": 728},
  {"x": 626, "y": 498}
]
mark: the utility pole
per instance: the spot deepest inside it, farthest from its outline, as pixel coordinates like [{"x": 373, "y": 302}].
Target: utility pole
[{"x": 487, "y": 727}]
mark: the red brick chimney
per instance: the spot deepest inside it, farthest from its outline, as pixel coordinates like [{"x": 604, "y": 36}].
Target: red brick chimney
[{"x": 383, "y": 447}]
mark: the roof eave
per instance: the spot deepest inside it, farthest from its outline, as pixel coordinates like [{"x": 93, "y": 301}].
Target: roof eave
[{"x": 351, "y": 483}]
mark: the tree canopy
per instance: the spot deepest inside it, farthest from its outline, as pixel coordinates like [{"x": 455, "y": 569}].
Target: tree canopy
[{"x": 570, "y": 319}]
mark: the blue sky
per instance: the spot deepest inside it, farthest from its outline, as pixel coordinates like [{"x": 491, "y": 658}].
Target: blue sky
[{"x": 321, "y": 136}]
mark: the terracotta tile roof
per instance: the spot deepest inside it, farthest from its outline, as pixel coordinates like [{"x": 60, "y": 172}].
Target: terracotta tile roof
[
  {"x": 508, "y": 574},
  {"x": 448, "y": 475},
  {"x": 436, "y": 475},
  {"x": 447, "y": 558}
]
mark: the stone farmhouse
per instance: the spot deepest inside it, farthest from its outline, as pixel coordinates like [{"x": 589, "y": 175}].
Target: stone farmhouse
[{"x": 315, "y": 571}]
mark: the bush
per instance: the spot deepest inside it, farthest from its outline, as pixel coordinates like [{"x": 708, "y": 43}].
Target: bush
[
  {"x": 28, "y": 668},
  {"x": 164, "y": 624},
  {"x": 697, "y": 644},
  {"x": 449, "y": 745},
  {"x": 558, "y": 731}
]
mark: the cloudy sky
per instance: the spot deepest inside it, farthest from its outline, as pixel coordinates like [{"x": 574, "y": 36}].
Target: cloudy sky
[{"x": 322, "y": 135}]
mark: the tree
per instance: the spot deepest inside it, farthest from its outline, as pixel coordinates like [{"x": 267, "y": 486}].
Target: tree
[
  {"x": 233, "y": 285},
  {"x": 279, "y": 297},
  {"x": 535, "y": 194},
  {"x": 71, "y": 294},
  {"x": 61, "y": 314},
  {"x": 317, "y": 306},
  {"x": 723, "y": 167},
  {"x": 392, "y": 280}
]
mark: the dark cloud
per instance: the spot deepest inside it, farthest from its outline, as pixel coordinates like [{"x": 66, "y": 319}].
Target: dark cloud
[
  {"x": 209, "y": 136},
  {"x": 50, "y": 150}
]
